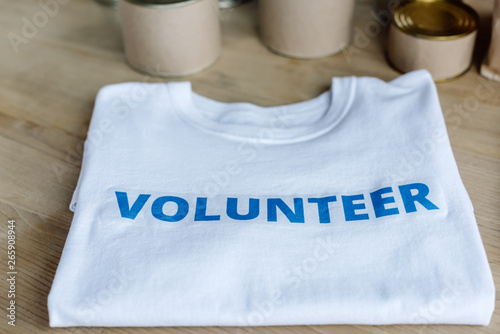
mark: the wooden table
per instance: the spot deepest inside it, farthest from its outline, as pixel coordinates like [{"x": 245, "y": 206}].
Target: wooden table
[{"x": 47, "y": 91}]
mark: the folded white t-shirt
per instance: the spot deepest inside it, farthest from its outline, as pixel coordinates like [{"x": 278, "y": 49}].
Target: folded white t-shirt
[{"x": 344, "y": 209}]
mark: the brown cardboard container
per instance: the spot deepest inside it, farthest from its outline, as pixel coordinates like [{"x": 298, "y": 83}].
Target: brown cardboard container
[
  {"x": 483, "y": 8},
  {"x": 491, "y": 65},
  {"x": 306, "y": 28},
  {"x": 444, "y": 56},
  {"x": 175, "y": 39}
]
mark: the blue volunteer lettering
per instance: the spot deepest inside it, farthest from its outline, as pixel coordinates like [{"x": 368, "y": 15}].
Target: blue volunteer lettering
[
  {"x": 379, "y": 202},
  {"x": 413, "y": 196},
  {"x": 350, "y": 207},
  {"x": 409, "y": 199},
  {"x": 294, "y": 217},
  {"x": 159, "y": 203},
  {"x": 201, "y": 211},
  {"x": 232, "y": 209},
  {"x": 323, "y": 209},
  {"x": 125, "y": 210}
]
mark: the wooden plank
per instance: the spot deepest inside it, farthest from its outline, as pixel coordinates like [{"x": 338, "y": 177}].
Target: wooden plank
[{"x": 47, "y": 92}]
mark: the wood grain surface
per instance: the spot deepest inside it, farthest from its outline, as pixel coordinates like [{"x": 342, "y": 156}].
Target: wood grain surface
[{"x": 48, "y": 84}]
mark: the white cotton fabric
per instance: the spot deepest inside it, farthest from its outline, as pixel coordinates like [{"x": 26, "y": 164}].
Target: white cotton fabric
[{"x": 363, "y": 135}]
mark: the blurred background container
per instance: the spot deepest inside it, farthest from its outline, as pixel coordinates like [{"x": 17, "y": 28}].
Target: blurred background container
[
  {"x": 170, "y": 37},
  {"x": 305, "y": 28}
]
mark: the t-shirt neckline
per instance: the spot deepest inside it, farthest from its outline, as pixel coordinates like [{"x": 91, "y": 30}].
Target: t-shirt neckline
[{"x": 249, "y": 122}]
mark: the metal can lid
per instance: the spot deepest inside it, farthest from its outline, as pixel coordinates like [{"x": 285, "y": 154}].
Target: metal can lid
[
  {"x": 436, "y": 19},
  {"x": 162, "y": 3}
]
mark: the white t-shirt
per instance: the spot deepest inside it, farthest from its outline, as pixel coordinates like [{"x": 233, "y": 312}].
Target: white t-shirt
[{"x": 344, "y": 209}]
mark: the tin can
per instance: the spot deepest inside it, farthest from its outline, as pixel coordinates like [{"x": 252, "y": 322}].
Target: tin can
[
  {"x": 306, "y": 29},
  {"x": 437, "y": 35},
  {"x": 170, "y": 38}
]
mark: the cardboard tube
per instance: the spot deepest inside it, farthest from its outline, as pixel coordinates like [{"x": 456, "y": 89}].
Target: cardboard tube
[
  {"x": 437, "y": 35},
  {"x": 491, "y": 65},
  {"x": 483, "y": 8},
  {"x": 305, "y": 28},
  {"x": 175, "y": 39},
  {"x": 443, "y": 59}
]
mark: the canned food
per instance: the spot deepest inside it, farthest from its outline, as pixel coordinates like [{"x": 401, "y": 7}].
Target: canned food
[
  {"x": 306, "y": 29},
  {"x": 170, "y": 37},
  {"x": 437, "y": 35}
]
